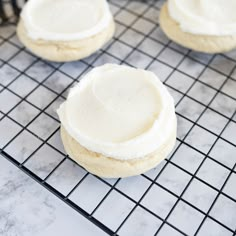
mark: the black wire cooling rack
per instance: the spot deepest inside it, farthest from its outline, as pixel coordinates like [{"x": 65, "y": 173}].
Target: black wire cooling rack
[
  {"x": 10, "y": 10},
  {"x": 192, "y": 192}
]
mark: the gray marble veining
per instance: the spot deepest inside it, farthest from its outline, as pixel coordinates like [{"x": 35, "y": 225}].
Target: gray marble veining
[{"x": 27, "y": 209}]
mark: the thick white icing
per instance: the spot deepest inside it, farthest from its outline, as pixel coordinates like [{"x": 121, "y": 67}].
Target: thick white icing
[
  {"x": 119, "y": 111},
  {"x": 204, "y": 17},
  {"x": 64, "y": 20}
]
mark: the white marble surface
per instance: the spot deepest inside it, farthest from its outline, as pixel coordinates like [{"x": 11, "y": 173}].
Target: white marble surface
[{"x": 27, "y": 209}]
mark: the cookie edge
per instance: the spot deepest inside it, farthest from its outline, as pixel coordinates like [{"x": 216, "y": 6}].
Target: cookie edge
[
  {"x": 64, "y": 51},
  {"x": 106, "y": 167},
  {"x": 200, "y": 43}
]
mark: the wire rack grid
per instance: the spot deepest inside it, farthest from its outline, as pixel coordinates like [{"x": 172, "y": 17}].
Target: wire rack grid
[{"x": 187, "y": 192}]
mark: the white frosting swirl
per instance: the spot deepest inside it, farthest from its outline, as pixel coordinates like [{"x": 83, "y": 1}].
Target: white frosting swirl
[
  {"x": 204, "y": 17},
  {"x": 64, "y": 20},
  {"x": 120, "y": 112}
]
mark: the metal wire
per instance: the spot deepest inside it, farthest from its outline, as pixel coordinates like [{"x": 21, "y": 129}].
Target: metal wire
[{"x": 3, "y": 17}]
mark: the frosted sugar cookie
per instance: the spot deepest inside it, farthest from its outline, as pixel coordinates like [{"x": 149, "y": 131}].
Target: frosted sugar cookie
[
  {"x": 65, "y": 30},
  {"x": 118, "y": 121},
  {"x": 205, "y": 26}
]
